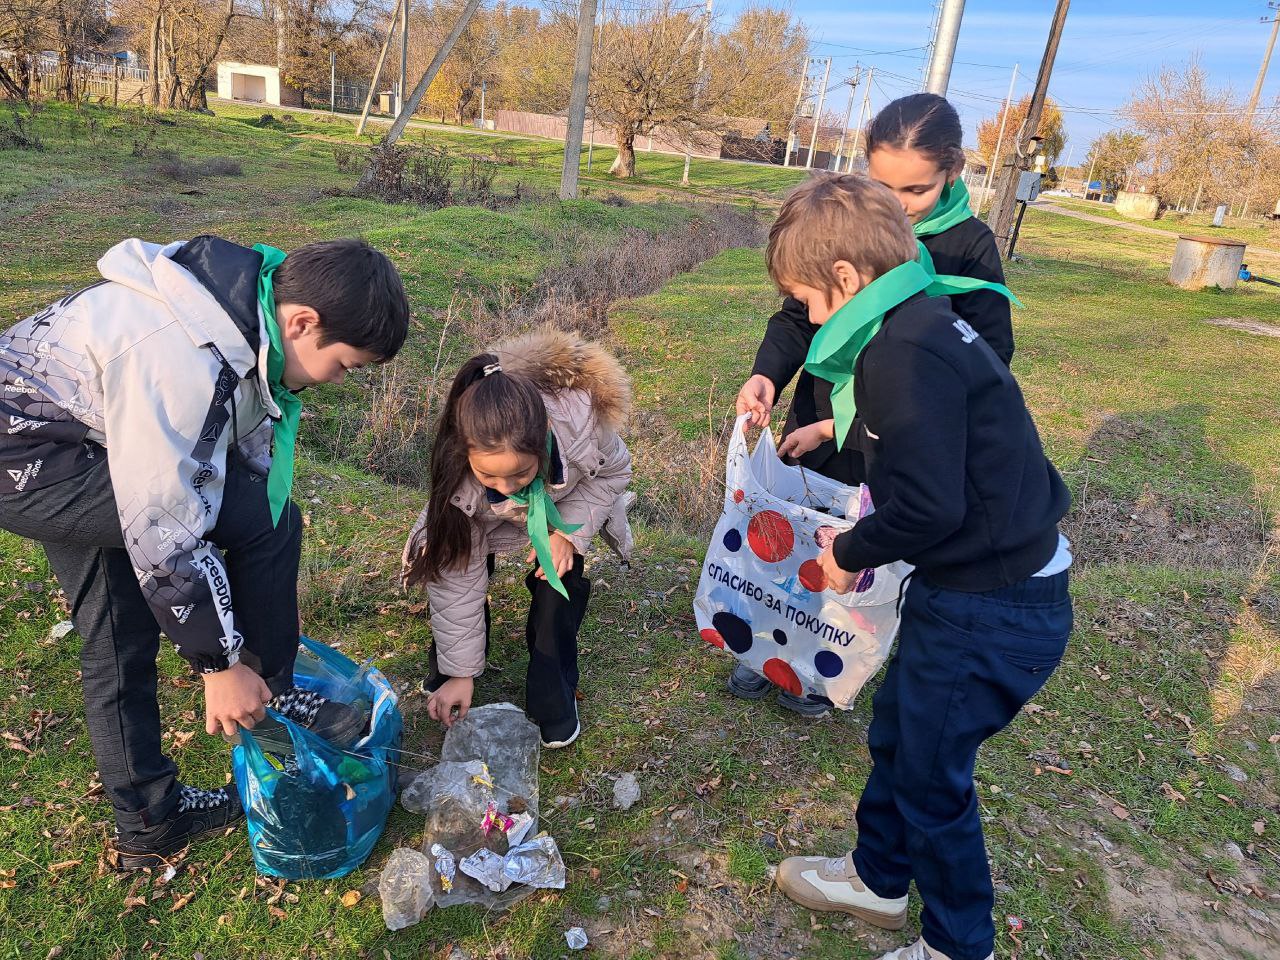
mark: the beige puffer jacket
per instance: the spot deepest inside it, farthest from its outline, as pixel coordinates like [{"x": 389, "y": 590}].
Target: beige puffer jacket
[{"x": 588, "y": 397}]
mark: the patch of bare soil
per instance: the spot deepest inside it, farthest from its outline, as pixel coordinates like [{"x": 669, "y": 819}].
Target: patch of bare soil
[{"x": 1194, "y": 912}]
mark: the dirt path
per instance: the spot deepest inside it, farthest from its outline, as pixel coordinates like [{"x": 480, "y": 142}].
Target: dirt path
[{"x": 1051, "y": 207}]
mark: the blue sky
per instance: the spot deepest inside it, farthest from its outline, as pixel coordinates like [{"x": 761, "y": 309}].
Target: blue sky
[{"x": 1107, "y": 48}]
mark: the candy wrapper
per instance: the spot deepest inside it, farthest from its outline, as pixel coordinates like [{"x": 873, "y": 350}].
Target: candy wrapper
[
  {"x": 492, "y": 818},
  {"x": 486, "y": 866},
  {"x": 446, "y": 866},
  {"x": 537, "y": 864},
  {"x": 521, "y": 824}
]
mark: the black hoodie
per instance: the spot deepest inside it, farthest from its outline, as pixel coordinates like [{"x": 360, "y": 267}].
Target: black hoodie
[{"x": 959, "y": 478}]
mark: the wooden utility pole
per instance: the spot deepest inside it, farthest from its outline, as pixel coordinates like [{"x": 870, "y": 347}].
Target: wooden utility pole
[
  {"x": 1266, "y": 62},
  {"x": 1006, "y": 200},
  {"x": 578, "y": 100},
  {"x": 377, "y": 70},
  {"x": 437, "y": 62}
]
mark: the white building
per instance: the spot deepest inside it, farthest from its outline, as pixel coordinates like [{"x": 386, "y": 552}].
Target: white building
[{"x": 254, "y": 83}]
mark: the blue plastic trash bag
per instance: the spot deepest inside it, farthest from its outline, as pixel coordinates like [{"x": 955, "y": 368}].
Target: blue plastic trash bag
[{"x": 318, "y": 813}]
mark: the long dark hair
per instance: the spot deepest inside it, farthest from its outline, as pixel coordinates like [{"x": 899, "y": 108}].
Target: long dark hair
[
  {"x": 489, "y": 412},
  {"x": 924, "y": 122}
]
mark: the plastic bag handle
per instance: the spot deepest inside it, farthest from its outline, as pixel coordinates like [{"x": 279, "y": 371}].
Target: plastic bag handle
[{"x": 737, "y": 453}]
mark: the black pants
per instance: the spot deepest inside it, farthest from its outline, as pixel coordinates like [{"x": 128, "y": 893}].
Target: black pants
[
  {"x": 551, "y": 634},
  {"x": 76, "y": 522},
  {"x": 965, "y": 665}
]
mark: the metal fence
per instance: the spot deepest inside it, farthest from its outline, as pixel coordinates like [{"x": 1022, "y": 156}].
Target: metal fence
[{"x": 347, "y": 95}]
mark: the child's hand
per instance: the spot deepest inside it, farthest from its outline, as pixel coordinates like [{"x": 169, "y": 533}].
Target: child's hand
[
  {"x": 561, "y": 555},
  {"x": 233, "y": 698},
  {"x": 455, "y": 694},
  {"x": 756, "y": 398},
  {"x": 839, "y": 580},
  {"x": 803, "y": 439}
]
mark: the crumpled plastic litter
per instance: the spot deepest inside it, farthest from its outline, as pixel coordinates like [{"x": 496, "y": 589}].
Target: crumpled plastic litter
[
  {"x": 536, "y": 864},
  {"x": 576, "y": 938},
  {"x": 486, "y": 866},
  {"x": 445, "y": 866},
  {"x": 405, "y": 888},
  {"x": 504, "y": 738},
  {"x": 487, "y": 778},
  {"x": 626, "y": 791}
]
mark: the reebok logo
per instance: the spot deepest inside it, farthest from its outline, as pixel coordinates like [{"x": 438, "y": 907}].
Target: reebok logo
[
  {"x": 43, "y": 349},
  {"x": 967, "y": 333},
  {"x": 144, "y": 576},
  {"x": 217, "y": 583},
  {"x": 211, "y": 433},
  {"x": 182, "y": 613},
  {"x": 18, "y": 424},
  {"x": 22, "y": 477},
  {"x": 20, "y": 385}
]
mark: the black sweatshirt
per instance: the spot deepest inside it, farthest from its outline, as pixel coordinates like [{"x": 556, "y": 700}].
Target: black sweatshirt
[
  {"x": 967, "y": 250},
  {"x": 961, "y": 484}
]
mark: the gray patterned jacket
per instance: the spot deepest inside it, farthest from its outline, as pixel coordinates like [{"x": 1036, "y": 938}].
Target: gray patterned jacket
[{"x": 160, "y": 367}]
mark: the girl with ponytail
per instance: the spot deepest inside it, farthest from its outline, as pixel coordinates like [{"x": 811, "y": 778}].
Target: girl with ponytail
[{"x": 527, "y": 456}]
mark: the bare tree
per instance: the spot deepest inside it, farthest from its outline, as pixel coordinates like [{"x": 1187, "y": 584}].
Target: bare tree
[{"x": 23, "y": 32}]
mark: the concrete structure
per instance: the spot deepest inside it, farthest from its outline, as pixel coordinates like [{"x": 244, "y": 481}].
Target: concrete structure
[
  {"x": 255, "y": 83},
  {"x": 1137, "y": 206},
  {"x": 1200, "y": 262}
]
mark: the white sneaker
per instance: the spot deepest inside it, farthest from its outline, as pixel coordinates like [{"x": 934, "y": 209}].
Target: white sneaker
[
  {"x": 832, "y": 883},
  {"x": 920, "y": 951}
]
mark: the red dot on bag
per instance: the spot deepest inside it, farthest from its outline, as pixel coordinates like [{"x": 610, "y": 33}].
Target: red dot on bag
[
  {"x": 739, "y": 496},
  {"x": 780, "y": 673},
  {"x": 812, "y": 576},
  {"x": 712, "y": 637},
  {"x": 770, "y": 536}
]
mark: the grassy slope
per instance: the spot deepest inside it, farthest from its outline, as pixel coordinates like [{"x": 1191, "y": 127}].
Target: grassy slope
[{"x": 744, "y": 782}]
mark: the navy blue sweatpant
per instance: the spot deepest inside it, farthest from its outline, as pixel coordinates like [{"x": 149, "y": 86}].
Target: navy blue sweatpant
[{"x": 965, "y": 665}]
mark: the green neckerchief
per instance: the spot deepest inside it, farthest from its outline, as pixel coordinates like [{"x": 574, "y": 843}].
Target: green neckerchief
[
  {"x": 952, "y": 208},
  {"x": 541, "y": 517},
  {"x": 280, "y": 477},
  {"x": 946, "y": 284},
  {"x": 838, "y": 342},
  {"x": 841, "y": 339}
]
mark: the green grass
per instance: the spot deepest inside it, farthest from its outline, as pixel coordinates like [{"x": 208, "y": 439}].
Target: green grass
[
  {"x": 1163, "y": 425},
  {"x": 1264, "y": 233}
]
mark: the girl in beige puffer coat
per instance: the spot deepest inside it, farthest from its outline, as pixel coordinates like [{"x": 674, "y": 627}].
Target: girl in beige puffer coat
[{"x": 527, "y": 456}]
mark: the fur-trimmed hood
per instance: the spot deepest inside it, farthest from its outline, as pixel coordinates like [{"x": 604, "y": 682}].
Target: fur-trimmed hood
[{"x": 556, "y": 360}]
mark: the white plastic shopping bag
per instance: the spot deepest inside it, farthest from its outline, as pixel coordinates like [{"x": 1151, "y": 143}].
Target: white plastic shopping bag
[{"x": 763, "y": 596}]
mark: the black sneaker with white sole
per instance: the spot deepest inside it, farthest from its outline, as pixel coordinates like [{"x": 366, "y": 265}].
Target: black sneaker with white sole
[
  {"x": 562, "y": 732},
  {"x": 340, "y": 724},
  {"x": 199, "y": 812}
]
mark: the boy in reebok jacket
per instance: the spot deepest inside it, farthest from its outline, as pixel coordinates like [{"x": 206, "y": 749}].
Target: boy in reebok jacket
[{"x": 148, "y": 427}]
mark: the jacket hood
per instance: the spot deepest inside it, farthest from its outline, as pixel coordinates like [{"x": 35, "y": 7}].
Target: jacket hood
[{"x": 557, "y": 360}]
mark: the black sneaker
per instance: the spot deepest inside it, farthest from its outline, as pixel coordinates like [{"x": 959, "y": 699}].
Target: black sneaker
[
  {"x": 562, "y": 732},
  {"x": 746, "y": 683},
  {"x": 199, "y": 812},
  {"x": 340, "y": 724}
]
